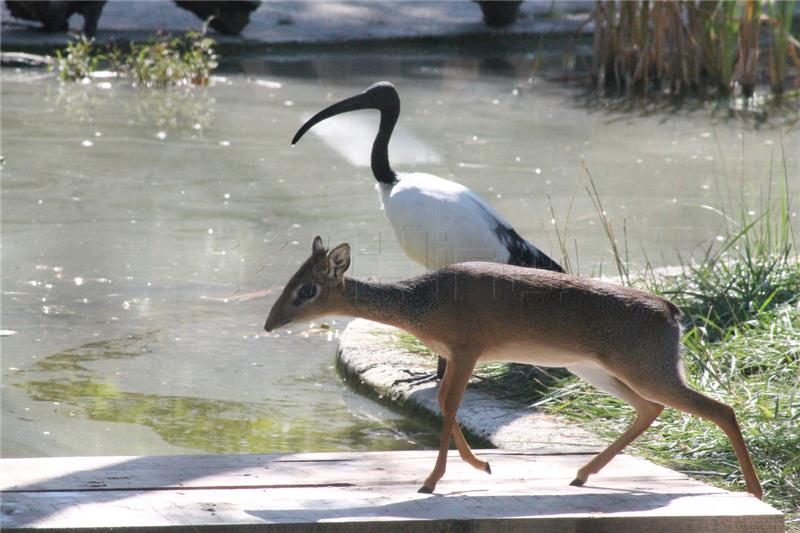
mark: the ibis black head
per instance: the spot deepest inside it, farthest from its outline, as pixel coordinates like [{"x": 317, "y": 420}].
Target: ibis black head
[{"x": 381, "y": 96}]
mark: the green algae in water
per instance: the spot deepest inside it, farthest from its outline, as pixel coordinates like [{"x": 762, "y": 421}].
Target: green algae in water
[
  {"x": 216, "y": 426},
  {"x": 206, "y": 424}
]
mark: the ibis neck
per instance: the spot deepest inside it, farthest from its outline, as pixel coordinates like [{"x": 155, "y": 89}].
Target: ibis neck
[
  {"x": 388, "y": 303},
  {"x": 380, "y": 148}
]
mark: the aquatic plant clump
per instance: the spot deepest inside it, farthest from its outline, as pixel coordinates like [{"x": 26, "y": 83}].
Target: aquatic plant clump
[
  {"x": 684, "y": 46},
  {"x": 159, "y": 62},
  {"x": 78, "y": 61},
  {"x": 177, "y": 61}
]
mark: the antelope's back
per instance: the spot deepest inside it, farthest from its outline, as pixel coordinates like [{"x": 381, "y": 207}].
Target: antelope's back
[{"x": 504, "y": 303}]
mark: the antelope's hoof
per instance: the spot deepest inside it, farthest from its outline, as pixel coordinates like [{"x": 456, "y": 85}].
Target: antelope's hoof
[
  {"x": 487, "y": 469},
  {"x": 425, "y": 490},
  {"x": 577, "y": 482}
]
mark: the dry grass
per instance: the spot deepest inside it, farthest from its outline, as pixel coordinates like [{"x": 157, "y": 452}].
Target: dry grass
[{"x": 683, "y": 46}]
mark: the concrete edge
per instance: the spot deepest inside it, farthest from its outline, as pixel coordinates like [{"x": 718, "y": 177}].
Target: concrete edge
[
  {"x": 318, "y": 24},
  {"x": 371, "y": 360}
]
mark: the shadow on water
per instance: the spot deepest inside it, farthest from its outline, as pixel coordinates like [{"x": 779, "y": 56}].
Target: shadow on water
[
  {"x": 516, "y": 63},
  {"x": 433, "y": 66},
  {"x": 755, "y": 113}
]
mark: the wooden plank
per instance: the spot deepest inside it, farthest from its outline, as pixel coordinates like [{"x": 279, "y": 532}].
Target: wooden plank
[
  {"x": 356, "y": 505},
  {"x": 373, "y": 491},
  {"x": 153, "y": 472},
  {"x": 315, "y": 506}
]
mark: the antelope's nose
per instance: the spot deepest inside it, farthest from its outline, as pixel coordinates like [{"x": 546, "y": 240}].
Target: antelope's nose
[{"x": 272, "y": 324}]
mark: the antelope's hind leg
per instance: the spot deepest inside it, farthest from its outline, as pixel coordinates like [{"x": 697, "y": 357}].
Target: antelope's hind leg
[
  {"x": 646, "y": 412},
  {"x": 676, "y": 393}
]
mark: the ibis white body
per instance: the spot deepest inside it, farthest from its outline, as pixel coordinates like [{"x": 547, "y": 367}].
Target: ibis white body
[{"x": 439, "y": 222}]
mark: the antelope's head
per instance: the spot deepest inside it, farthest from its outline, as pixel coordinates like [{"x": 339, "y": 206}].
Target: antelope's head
[{"x": 316, "y": 288}]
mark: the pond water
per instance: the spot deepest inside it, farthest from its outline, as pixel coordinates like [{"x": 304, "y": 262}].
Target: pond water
[{"x": 145, "y": 234}]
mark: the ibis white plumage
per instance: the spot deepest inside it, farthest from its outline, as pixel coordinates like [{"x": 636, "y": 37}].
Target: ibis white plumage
[{"x": 437, "y": 221}]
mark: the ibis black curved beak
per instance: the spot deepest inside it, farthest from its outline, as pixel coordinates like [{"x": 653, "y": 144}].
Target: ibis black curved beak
[
  {"x": 381, "y": 96},
  {"x": 354, "y": 103}
]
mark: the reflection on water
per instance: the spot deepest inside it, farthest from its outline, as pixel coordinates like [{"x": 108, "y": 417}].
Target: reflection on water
[
  {"x": 74, "y": 360},
  {"x": 146, "y": 233},
  {"x": 205, "y": 424},
  {"x": 219, "y": 426},
  {"x": 180, "y": 110}
]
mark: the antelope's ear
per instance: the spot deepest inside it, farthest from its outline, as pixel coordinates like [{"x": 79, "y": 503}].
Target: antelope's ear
[
  {"x": 318, "y": 247},
  {"x": 339, "y": 261}
]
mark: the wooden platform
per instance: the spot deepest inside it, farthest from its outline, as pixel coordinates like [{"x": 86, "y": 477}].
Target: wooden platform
[{"x": 373, "y": 492}]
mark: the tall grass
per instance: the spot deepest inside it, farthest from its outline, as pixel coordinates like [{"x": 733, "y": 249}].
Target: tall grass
[
  {"x": 781, "y": 45},
  {"x": 684, "y": 46},
  {"x": 754, "y": 270}
]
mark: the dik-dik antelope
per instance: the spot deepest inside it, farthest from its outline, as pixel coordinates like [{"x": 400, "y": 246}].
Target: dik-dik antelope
[{"x": 623, "y": 341}]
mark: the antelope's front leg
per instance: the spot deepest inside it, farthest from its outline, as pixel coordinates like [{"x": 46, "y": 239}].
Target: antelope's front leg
[
  {"x": 452, "y": 390},
  {"x": 461, "y": 443}
]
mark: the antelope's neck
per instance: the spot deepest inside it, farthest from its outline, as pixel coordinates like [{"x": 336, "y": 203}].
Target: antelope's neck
[{"x": 388, "y": 303}]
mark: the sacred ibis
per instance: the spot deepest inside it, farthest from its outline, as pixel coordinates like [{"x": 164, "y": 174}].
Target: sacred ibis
[{"x": 437, "y": 221}]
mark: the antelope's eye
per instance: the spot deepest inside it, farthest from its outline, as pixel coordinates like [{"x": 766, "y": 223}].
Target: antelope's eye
[{"x": 307, "y": 291}]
